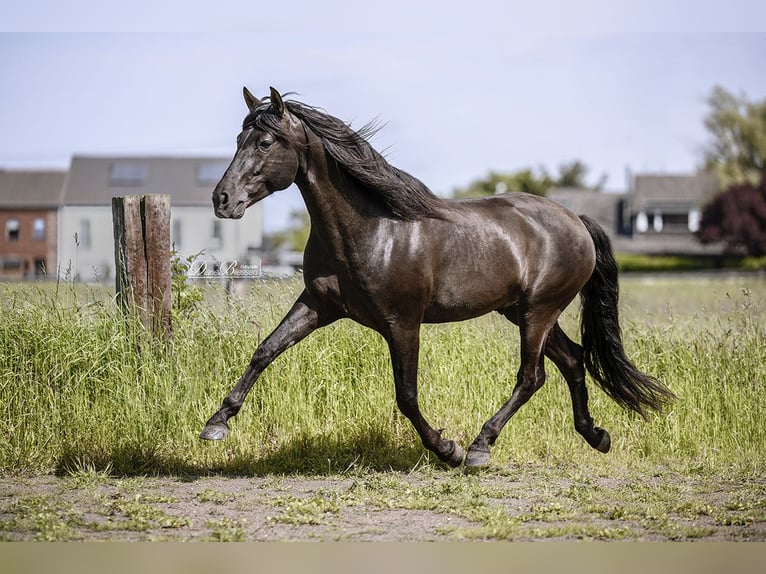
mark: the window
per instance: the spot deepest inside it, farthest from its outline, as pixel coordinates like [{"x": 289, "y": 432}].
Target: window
[
  {"x": 175, "y": 235},
  {"x": 216, "y": 240},
  {"x": 84, "y": 237},
  {"x": 38, "y": 229},
  {"x": 12, "y": 229},
  {"x": 210, "y": 172},
  {"x": 694, "y": 220},
  {"x": 40, "y": 268},
  {"x": 642, "y": 222},
  {"x": 128, "y": 173}
]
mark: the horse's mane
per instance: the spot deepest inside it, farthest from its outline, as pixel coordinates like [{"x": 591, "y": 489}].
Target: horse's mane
[{"x": 405, "y": 196}]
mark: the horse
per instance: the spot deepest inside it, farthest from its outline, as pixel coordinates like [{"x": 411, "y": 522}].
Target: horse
[{"x": 388, "y": 253}]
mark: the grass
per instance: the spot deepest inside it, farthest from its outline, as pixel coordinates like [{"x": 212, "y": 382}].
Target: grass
[
  {"x": 76, "y": 396},
  {"x": 430, "y": 503},
  {"x": 640, "y": 262}
]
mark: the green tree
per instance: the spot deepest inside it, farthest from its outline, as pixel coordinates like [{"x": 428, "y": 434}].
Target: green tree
[
  {"x": 737, "y": 152},
  {"x": 297, "y": 233},
  {"x": 523, "y": 180},
  {"x": 571, "y": 174}
]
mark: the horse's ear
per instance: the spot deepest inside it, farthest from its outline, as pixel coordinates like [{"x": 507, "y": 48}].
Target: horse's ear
[
  {"x": 277, "y": 103},
  {"x": 251, "y": 101}
]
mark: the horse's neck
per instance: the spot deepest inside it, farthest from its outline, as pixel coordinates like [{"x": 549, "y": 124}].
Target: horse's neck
[{"x": 335, "y": 204}]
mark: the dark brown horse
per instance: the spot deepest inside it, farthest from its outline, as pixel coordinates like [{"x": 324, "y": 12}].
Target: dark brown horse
[{"x": 389, "y": 254}]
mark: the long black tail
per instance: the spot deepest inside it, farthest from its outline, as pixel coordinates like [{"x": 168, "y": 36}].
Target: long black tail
[{"x": 603, "y": 352}]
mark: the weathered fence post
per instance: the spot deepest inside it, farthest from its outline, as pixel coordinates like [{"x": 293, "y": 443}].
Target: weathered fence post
[{"x": 142, "y": 259}]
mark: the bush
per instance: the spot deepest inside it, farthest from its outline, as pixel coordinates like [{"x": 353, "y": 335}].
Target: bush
[{"x": 737, "y": 217}]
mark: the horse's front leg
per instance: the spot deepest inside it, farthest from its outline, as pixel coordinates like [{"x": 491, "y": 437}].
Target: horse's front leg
[
  {"x": 404, "y": 345},
  {"x": 299, "y": 322}
]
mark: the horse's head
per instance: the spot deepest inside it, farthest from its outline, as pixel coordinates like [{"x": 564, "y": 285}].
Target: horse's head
[{"x": 266, "y": 159}]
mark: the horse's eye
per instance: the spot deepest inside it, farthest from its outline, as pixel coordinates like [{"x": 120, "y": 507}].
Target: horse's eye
[{"x": 265, "y": 144}]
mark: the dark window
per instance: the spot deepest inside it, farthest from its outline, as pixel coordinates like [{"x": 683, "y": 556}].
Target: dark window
[
  {"x": 40, "y": 268},
  {"x": 12, "y": 229}
]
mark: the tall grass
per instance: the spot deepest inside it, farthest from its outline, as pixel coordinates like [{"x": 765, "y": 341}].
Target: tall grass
[{"x": 76, "y": 393}]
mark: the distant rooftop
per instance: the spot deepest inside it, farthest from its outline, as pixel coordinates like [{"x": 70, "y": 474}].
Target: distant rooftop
[
  {"x": 188, "y": 180},
  {"x": 657, "y": 190},
  {"x": 32, "y": 189}
]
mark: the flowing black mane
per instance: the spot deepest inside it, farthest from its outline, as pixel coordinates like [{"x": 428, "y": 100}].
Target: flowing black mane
[{"x": 404, "y": 195}]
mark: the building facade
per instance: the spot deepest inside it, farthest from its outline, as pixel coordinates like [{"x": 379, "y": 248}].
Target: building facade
[
  {"x": 664, "y": 212},
  {"x": 85, "y": 231},
  {"x": 659, "y": 215},
  {"x": 28, "y": 221}
]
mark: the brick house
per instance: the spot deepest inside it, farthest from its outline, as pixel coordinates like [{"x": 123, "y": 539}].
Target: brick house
[{"x": 28, "y": 221}]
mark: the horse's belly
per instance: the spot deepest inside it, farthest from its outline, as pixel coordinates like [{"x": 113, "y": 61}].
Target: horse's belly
[{"x": 467, "y": 299}]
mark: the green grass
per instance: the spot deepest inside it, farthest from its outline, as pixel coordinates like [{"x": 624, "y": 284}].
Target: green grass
[
  {"x": 640, "y": 262},
  {"x": 76, "y": 396}
]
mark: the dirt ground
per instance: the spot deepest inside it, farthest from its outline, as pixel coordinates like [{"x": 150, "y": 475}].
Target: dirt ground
[{"x": 392, "y": 506}]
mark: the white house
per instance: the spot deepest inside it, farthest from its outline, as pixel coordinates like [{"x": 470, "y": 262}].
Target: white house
[{"x": 85, "y": 231}]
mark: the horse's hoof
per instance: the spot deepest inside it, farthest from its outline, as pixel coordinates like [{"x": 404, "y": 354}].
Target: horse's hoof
[
  {"x": 215, "y": 431},
  {"x": 455, "y": 458},
  {"x": 477, "y": 457},
  {"x": 605, "y": 441}
]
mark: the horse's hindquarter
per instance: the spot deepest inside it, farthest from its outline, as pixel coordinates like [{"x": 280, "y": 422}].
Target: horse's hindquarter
[{"x": 495, "y": 251}]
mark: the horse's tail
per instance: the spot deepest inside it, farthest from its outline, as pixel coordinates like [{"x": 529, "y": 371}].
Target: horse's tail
[{"x": 603, "y": 352}]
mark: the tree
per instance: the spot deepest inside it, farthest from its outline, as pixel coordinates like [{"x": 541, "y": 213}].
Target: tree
[
  {"x": 524, "y": 180},
  {"x": 571, "y": 174},
  {"x": 737, "y": 217},
  {"x": 737, "y": 152},
  {"x": 297, "y": 234}
]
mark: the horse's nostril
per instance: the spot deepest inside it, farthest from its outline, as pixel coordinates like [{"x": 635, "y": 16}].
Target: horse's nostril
[{"x": 223, "y": 198}]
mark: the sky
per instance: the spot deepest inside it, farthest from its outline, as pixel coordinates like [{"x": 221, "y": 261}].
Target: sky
[{"x": 461, "y": 88}]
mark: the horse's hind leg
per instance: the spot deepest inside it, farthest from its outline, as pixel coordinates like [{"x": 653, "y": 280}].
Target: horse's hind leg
[
  {"x": 534, "y": 329},
  {"x": 404, "y": 344},
  {"x": 299, "y": 322},
  {"x": 567, "y": 355}
]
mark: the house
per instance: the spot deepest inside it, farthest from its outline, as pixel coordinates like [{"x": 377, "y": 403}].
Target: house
[
  {"x": 665, "y": 211},
  {"x": 658, "y": 215},
  {"x": 85, "y": 232},
  {"x": 28, "y": 220},
  {"x": 605, "y": 208}
]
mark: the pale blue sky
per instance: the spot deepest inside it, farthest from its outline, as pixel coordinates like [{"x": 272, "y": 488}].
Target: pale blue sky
[{"x": 463, "y": 87}]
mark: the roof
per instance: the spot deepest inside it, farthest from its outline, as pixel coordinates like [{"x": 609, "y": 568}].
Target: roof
[
  {"x": 654, "y": 191},
  {"x": 189, "y": 181},
  {"x": 26, "y": 189},
  {"x": 601, "y": 206}
]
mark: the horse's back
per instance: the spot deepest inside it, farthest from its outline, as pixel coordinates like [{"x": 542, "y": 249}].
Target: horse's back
[
  {"x": 528, "y": 219},
  {"x": 550, "y": 245},
  {"x": 527, "y": 205}
]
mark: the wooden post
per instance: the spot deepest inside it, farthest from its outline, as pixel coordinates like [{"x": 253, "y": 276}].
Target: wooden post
[
  {"x": 157, "y": 237},
  {"x": 142, "y": 259}
]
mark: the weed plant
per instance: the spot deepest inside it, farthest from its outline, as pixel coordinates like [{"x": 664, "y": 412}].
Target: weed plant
[{"x": 80, "y": 389}]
